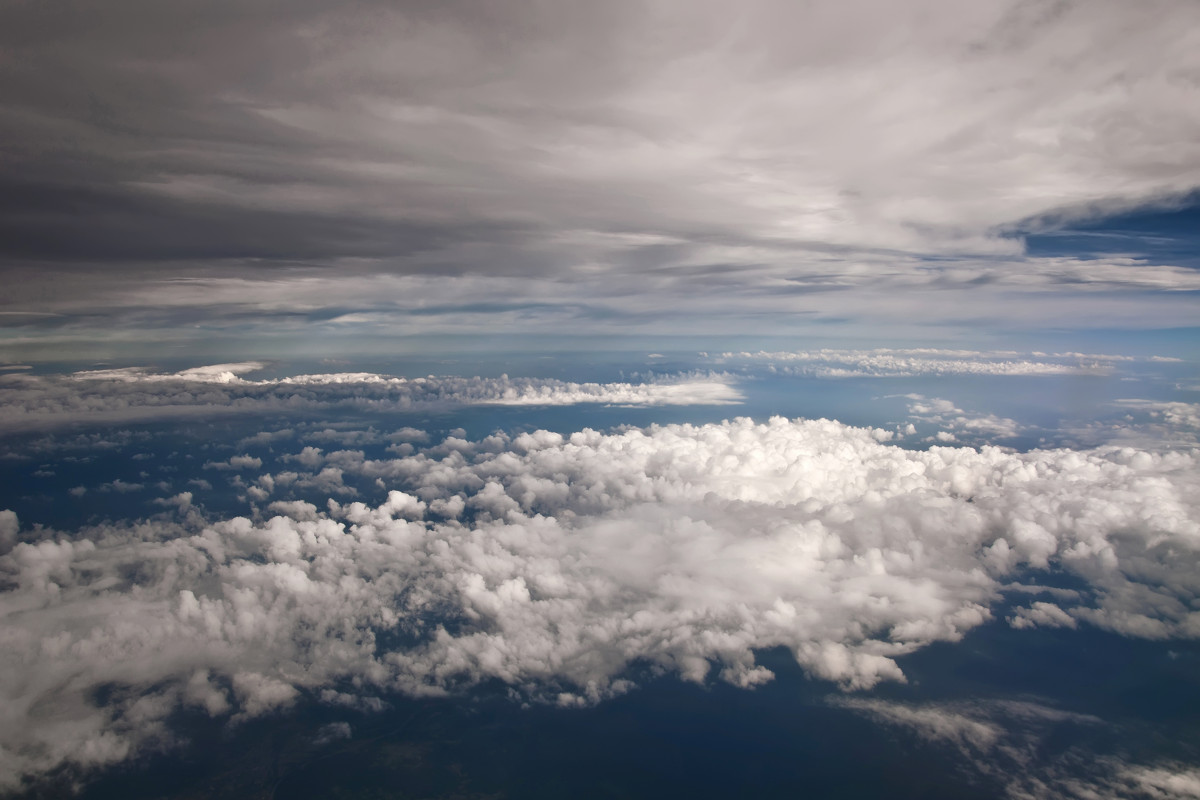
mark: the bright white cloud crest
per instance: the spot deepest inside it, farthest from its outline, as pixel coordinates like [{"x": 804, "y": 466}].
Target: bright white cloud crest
[{"x": 556, "y": 563}]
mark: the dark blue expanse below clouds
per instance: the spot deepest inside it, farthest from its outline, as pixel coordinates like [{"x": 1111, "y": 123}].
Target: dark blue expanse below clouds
[{"x": 272, "y": 579}]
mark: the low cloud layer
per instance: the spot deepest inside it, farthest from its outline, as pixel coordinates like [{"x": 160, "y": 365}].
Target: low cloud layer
[{"x": 556, "y": 564}]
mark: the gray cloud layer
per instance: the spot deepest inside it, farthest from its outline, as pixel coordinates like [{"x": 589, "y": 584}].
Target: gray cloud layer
[
  {"x": 555, "y": 563},
  {"x": 692, "y": 150},
  {"x": 226, "y": 117}
]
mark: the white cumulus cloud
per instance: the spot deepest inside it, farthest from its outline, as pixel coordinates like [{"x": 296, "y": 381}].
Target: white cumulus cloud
[{"x": 553, "y": 563}]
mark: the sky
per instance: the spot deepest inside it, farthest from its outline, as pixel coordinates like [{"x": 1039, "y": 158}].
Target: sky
[
  {"x": 199, "y": 174},
  {"x": 541, "y": 399}
]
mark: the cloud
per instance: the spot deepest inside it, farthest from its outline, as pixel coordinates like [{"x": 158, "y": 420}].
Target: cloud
[
  {"x": 1178, "y": 416},
  {"x": 333, "y": 732},
  {"x": 399, "y": 167},
  {"x": 136, "y": 394},
  {"x": 118, "y": 485},
  {"x": 9, "y": 525},
  {"x": 1009, "y": 742},
  {"x": 235, "y": 463},
  {"x": 341, "y": 139},
  {"x": 214, "y": 373},
  {"x": 309, "y": 457},
  {"x": 554, "y": 562},
  {"x": 1146, "y": 424},
  {"x": 1042, "y": 614},
  {"x": 956, "y": 422},
  {"x": 936, "y": 723},
  {"x": 906, "y": 363},
  {"x": 1160, "y": 782},
  {"x": 1084, "y": 779}
]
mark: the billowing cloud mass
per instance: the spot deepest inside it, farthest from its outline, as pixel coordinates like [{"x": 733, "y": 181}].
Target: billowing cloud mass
[
  {"x": 31, "y": 401},
  {"x": 559, "y": 564}
]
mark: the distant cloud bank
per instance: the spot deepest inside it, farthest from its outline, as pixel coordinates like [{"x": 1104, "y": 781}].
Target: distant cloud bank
[
  {"x": 32, "y": 401},
  {"x": 905, "y": 363}
]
